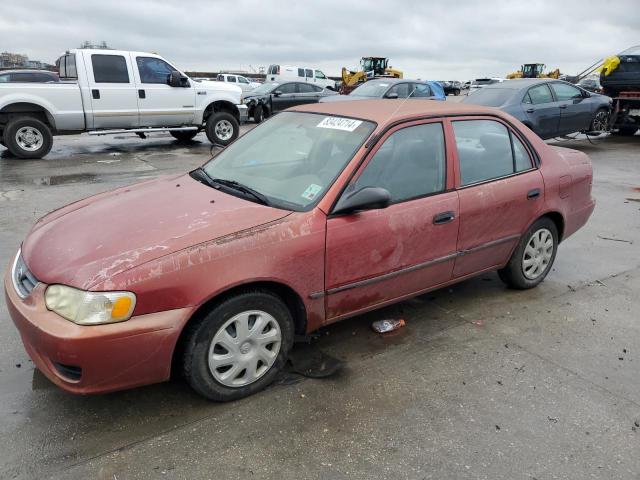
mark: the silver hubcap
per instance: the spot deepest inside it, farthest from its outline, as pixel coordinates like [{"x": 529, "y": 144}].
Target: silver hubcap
[
  {"x": 600, "y": 121},
  {"x": 537, "y": 255},
  {"x": 29, "y": 138},
  {"x": 244, "y": 348},
  {"x": 224, "y": 130}
]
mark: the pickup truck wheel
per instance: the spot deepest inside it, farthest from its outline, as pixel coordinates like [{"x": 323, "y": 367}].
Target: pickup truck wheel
[
  {"x": 222, "y": 128},
  {"x": 238, "y": 348},
  {"x": 532, "y": 259},
  {"x": 456, "y": 92},
  {"x": 183, "y": 135},
  {"x": 28, "y": 137},
  {"x": 626, "y": 131}
]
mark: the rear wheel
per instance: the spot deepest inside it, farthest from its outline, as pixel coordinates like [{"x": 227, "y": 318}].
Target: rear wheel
[
  {"x": 183, "y": 135},
  {"x": 222, "y": 128},
  {"x": 456, "y": 92},
  {"x": 28, "y": 137},
  {"x": 600, "y": 121},
  {"x": 532, "y": 259},
  {"x": 239, "y": 347}
]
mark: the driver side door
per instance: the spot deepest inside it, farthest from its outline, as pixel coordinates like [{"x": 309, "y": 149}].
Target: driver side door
[
  {"x": 159, "y": 103},
  {"x": 374, "y": 257},
  {"x": 286, "y": 98},
  {"x": 575, "y": 113}
]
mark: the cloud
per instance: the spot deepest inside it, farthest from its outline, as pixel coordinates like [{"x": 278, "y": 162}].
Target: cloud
[{"x": 461, "y": 40}]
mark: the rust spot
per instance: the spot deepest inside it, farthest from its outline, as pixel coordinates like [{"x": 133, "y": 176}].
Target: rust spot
[{"x": 635, "y": 189}]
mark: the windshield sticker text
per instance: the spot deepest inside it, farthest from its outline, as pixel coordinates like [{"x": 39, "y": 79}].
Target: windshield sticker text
[{"x": 338, "y": 123}]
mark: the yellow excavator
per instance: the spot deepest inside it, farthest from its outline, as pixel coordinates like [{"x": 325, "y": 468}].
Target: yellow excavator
[
  {"x": 371, "y": 67},
  {"x": 534, "y": 70}
]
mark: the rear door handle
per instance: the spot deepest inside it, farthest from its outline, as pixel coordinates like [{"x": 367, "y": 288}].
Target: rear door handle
[
  {"x": 142, "y": 94},
  {"x": 444, "y": 217},
  {"x": 563, "y": 106},
  {"x": 531, "y": 110},
  {"x": 535, "y": 193},
  {"x": 95, "y": 93}
]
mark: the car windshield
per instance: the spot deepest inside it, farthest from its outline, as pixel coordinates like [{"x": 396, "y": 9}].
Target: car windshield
[
  {"x": 371, "y": 89},
  {"x": 292, "y": 159},
  {"x": 264, "y": 88},
  {"x": 490, "y": 97}
]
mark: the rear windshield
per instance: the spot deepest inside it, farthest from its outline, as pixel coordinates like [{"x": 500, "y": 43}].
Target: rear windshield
[
  {"x": 490, "y": 97},
  {"x": 484, "y": 81}
]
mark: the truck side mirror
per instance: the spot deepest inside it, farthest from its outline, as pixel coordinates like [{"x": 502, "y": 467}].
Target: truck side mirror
[{"x": 176, "y": 79}]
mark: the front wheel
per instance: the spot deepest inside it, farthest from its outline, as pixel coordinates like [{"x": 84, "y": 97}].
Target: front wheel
[
  {"x": 239, "y": 347},
  {"x": 183, "y": 135},
  {"x": 28, "y": 137},
  {"x": 600, "y": 121},
  {"x": 258, "y": 114},
  {"x": 456, "y": 92},
  {"x": 222, "y": 128},
  {"x": 532, "y": 259}
]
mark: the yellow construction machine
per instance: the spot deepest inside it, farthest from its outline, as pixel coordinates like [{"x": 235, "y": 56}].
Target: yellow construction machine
[
  {"x": 534, "y": 70},
  {"x": 371, "y": 67}
]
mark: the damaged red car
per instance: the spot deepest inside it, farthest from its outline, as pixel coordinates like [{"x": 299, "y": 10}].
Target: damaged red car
[{"x": 323, "y": 212}]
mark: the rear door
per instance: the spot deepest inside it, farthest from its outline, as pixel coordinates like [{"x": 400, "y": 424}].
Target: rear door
[
  {"x": 575, "y": 113},
  {"x": 159, "y": 103},
  {"x": 500, "y": 190},
  {"x": 307, "y": 93},
  {"x": 542, "y": 110},
  {"x": 114, "y": 100},
  {"x": 377, "y": 256},
  {"x": 401, "y": 89},
  {"x": 420, "y": 90}
]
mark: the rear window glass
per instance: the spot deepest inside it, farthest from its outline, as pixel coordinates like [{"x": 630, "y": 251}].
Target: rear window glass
[
  {"x": 67, "y": 66},
  {"x": 490, "y": 97},
  {"x": 109, "y": 69}
]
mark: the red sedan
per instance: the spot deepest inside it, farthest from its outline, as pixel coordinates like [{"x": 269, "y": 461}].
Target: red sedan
[{"x": 323, "y": 212}]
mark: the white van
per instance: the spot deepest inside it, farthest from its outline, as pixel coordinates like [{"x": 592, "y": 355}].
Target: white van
[
  {"x": 243, "y": 82},
  {"x": 287, "y": 73}
]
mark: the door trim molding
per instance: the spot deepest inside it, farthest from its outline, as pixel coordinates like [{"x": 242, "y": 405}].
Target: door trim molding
[{"x": 418, "y": 266}]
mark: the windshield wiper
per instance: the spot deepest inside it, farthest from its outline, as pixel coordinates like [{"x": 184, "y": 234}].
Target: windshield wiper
[
  {"x": 241, "y": 188},
  {"x": 203, "y": 177}
]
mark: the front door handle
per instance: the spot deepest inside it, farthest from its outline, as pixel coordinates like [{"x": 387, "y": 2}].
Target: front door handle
[
  {"x": 535, "y": 193},
  {"x": 563, "y": 106},
  {"x": 142, "y": 94},
  {"x": 531, "y": 110},
  {"x": 444, "y": 217},
  {"x": 95, "y": 93}
]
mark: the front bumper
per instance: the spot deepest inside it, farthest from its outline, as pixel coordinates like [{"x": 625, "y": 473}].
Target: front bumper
[
  {"x": 244, "y": 112},
  {"x": 100, "y": 358}
]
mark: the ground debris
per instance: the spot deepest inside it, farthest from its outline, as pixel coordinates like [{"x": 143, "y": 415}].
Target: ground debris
[{"x": 615, "y": 239}]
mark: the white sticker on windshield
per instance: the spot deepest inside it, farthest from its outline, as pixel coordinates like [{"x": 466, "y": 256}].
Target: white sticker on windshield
[
  {"x": 311, "y": 191},
  {"x": 339, "y": 123}
]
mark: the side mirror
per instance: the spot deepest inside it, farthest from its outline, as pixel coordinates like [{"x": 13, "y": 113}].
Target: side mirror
[
  {"x": 277, "y": 93},
  {"x": 392, "y": 95},
  {"x": 176, "y": 79},
  {"x": 367, "y": 198}
]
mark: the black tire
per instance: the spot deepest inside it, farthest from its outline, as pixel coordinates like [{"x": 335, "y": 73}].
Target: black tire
[
  {"x": 626, "y": 131},
  {"x": 41, "y": 129},
  {"x": 513, "y": 274},
  {"x": 599, "y": 124},
  {"x": 456, "y": 92},
  {"x": 220, "y": 122},
  {"x": 183, "y": 135},
  {"x": 258, "y": 114},
  {"x": 199, "y": 337}
]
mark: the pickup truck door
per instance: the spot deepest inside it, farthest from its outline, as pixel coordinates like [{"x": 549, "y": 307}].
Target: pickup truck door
[
  {"x": 112, "y": 90},
  {"x": 161, "y": 105}
]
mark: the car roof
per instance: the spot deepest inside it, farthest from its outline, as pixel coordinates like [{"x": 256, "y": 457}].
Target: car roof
[
  {"x": 518, "y": 83},
  {"x": 385, "y": 111}
]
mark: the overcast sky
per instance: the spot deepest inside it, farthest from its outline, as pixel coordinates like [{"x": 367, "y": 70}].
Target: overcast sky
[{"x": 426, "y": 39}]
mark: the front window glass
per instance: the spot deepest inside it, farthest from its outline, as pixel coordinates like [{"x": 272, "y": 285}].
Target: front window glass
[
  {"x": 154, "y": 70},
  {"x": 410, "y": 164},
  {"x": 371, "y": 89},
  {"x": 319, "y": 74},
  {"x": 293, "y": 158},
  {"x": 242, "y": 80},
  {"x": 287, "y": 88},
  {"x": 565, "y": 91}
]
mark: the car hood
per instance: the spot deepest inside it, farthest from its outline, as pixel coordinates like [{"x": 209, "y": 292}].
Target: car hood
[
  {"x": 90, "y": 241},
  {"x": 220, "y": 86}
]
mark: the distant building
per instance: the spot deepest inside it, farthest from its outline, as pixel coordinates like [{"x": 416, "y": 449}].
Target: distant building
[{"x": 17, "y": 60}]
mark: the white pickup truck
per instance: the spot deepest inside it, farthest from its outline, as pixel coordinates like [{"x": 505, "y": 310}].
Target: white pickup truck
[{"x": 110, "y": 91}]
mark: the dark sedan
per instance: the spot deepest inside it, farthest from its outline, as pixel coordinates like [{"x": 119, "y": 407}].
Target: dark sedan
[
  {"x": 548, "y": 107},
  {"x": 273, "y": 97},
  {"x": 30, "y": 76},
  {"x": 392, "y": 88}
]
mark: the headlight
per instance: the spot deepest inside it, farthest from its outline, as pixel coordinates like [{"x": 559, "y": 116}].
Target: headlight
[{"x": 89, "y": 308}]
